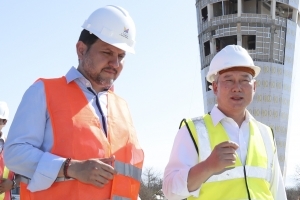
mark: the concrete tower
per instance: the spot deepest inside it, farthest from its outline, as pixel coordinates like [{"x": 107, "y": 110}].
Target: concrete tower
[{"x": 270, "y": 31}]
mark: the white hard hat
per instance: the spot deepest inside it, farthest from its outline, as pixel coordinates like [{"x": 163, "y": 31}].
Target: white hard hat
[
  {"x": 3, "y": 110},
  {"x": 113, "y": 25},
  {"x": 229, "y": 57}
]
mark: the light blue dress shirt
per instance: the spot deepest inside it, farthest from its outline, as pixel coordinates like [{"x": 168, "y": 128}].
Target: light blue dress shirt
[{"x": 30, "y": 138}]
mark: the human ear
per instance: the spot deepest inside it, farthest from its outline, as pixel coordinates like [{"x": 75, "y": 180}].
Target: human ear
[
  {"x": 215, "y": 87},
  {"x": 254, "y": 85},
  {"x": 81, "y": 49}
]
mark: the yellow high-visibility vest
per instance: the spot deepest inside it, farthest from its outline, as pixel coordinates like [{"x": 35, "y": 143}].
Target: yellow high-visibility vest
[
  {"x": 7, "y": 174},
  {"x": 240, "y": 182}
]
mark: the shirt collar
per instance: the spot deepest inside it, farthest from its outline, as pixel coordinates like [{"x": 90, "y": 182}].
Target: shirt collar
[
  {"x": 74, "y": 74},
  {"x": 217, "y": 115}
]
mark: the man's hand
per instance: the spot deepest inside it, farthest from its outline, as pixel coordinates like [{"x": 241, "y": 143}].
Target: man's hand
[
  {"x": 5, "y": 185},
  {"x": 97, "y": 172},
  {"x": 222, "y": 156}
]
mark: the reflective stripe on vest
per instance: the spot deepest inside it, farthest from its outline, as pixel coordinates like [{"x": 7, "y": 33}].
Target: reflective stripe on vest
[
  {"x": 202, "y": 134},
  {"x": 120, "y": 198},
  {"x": 128, "y": 170},
  {"x": 122, "y": 168},
  {"x": 238, "y": 172},
  {"x": 269, "y": 143}
]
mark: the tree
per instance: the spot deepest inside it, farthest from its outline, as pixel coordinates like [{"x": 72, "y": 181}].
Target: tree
[
  {"x": 297, "y": 177},
  {"x": 151, "y": 185},
  {"x": 294, "y": 192}
]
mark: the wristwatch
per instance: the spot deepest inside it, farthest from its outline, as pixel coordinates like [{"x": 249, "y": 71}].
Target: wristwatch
[{"x": 14, "y": 184}]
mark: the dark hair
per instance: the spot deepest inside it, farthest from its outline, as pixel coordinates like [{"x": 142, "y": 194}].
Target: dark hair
[{"x": 87, "y": 38}]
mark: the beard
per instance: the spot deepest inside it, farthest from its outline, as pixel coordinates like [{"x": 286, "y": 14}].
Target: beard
[{"x": 90, "y": 71}]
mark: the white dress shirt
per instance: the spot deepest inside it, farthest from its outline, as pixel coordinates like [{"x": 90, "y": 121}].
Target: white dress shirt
[
  {"x": 184, "y": 156},
  {"x": 30, "y": 138}
]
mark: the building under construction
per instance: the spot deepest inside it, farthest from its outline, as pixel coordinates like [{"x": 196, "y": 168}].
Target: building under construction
[{"x": 270, "y": 31}]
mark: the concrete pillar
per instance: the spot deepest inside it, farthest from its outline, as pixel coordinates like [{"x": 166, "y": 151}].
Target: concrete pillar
[
  {"x": 239, "y": 2},
  {"x": 212, "y": 44},
  {"x": 210, "y": 12},
  {"x": 295, "y": 15},
  {"x": 222, "y": 8},
  {"x": 239, "y": 34},
  {"x": 273, "y": 8}
]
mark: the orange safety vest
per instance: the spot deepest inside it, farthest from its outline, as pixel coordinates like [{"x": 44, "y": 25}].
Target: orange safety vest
[
  {"x": 77, "y": 134},
  {"x": 7, "y": 174}
]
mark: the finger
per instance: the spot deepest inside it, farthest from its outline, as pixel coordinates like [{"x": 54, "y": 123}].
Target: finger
[
  {"x": 228, "y": 162},
  {"x": 103, "y": 180},
  {"x": 229, "y": 157},
  {"x": 227, "y": 150},
  {"x": 108, "y": 168},
  {"x": 109, "y": 160},
  {"x": 231, "y": 144},
  {"x": 107, "y": 174},
  {"x": 97, "y": 184}
]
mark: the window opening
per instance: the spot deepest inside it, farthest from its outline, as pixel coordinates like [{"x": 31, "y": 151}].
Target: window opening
[
  {"x": 217, "y": 7},
  {"x": 248, "y": 41},
  {"x": 224, "y": 41},
  {"x": 204, "y": 14},
  {"x": 206, "y": 48}
]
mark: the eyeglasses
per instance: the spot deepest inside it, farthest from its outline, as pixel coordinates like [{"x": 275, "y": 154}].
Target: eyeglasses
[{"x": 1, "y": 145}]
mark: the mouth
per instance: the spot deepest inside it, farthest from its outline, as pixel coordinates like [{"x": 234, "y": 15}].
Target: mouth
[
  {"x": 110, "y": 70},
  {"x": 236, "y": 98}
]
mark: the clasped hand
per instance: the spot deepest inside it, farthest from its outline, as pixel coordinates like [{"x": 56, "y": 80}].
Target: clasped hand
[{"x": 97, "y": 172}]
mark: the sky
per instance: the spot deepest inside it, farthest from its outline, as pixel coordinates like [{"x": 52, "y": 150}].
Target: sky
[{"x": 161, "y": 82}]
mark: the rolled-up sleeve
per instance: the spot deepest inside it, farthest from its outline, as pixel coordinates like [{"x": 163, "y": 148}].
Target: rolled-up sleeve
[
  {"x": 183, "y": 157},
  {"x": 26, "y": 150}
]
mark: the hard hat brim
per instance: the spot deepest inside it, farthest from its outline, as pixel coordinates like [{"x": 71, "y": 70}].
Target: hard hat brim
[
  {"x": 119, "y": 45},
  {"x": 114, "y": 41},
  {"x": 210, "y": 77}
]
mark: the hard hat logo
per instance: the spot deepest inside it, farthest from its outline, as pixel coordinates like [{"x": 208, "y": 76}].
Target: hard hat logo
[
  {"x": 125, "y": 33},
  {"x": 126, "y": 30}
]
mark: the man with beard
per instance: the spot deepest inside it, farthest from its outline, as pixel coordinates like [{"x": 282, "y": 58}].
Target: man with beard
[{"x": 72, "y": 137}]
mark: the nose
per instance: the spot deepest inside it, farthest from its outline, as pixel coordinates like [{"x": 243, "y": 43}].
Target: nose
[
  {"x": 114, "y": 62},
  {"x": 236, "y": 87}
]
